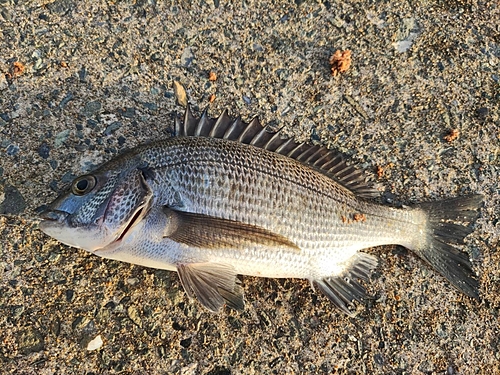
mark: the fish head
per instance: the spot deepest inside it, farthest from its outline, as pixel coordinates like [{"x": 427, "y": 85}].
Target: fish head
[{"x": 98, "y": 209}]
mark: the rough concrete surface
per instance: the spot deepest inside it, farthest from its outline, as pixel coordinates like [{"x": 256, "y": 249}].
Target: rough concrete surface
[{"x": 82, "y": 81}]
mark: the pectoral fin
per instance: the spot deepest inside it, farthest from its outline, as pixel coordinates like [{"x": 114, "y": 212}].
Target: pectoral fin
[
  {"x": 210, "y": 232},
  {"x": 213, "y": 285}
]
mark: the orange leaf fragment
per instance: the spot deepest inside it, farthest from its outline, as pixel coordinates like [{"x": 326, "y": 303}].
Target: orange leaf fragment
[
  {"x": 452, "y": 135},
  {"x": 340, "y": 61},
  {"x": 17, "y": 69}
]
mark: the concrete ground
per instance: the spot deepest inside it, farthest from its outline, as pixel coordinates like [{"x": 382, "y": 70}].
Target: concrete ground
[{"x": 82, "y": 81}]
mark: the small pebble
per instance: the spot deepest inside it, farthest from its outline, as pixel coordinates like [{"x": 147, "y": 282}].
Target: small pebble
[
  {"x": 95, "y": 344},
  {"x": 111, "y": 128},
  {"x": 83, "y": 75},
  {"x": 91, "y": 108},
  {"x": 379, "y": 360},
  {"x": 187, "y": 57},
  {"x": 44, "y": 150},
  {"x": 61, "y": 137},
  {"x": 66, "y": 100},
  {"x": 129, "y": 112},
  {"x": 67, "y": 177},
  {"x": 60, "y": 6},
  {"x": 92, "y": 123},
  {"x": 482, "y": 113},
  {"x": 53, "y": 164},
  {"x": 3, "y": 82},
  {"x": 30, "y": 341},
  {"x": 12, "y": 150},
  {"x": 150, "y": 106},
  {"x": 247, "y": 100},
  {"x": 134, "y": 315}
]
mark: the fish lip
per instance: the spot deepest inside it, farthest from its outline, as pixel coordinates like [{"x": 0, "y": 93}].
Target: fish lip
[{"x": 54, "y": 216}]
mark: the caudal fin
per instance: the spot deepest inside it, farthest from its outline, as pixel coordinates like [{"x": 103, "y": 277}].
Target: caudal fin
[{"x": 444, "y": 233}]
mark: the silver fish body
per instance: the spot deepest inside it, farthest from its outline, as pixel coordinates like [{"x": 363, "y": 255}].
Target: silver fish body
[{"x": 226, "y": 198}]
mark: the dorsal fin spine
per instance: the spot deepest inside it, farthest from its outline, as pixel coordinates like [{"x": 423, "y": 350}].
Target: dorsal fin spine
[
  {"x": 322, "y": 160},
  {"x": 258, "y": 137},
  {"x": 220, "y": 125},
  {"x": 189, "y": 122},
  {"x": 179, "y": 126},
  {"x": 269, "y": 144},
  {"x": 202, "y": 123},
  {"x": 284, "y": 145},
  {"x": 231, "y": 128},
  {"x": 308, "y": 153},
  {"x": 331, "y": 163},
  {"x": 319, "y": 151},
  {"x": 293, "y": 153},
  {"x": 246, "y": 135}
]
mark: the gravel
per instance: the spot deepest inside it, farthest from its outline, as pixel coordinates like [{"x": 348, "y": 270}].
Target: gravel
[{"x": 83, "y": 81}]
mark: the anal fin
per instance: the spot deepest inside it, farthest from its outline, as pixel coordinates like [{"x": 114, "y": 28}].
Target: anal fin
[
  {"x": 212, "y": 284},
  {"x": 344, "y": 289}
]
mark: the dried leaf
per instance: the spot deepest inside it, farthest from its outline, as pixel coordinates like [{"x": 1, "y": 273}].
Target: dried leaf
[
  {"x": 452, "y": 135},
  {"x": 340, "y": 61},
  {"x": 180, "y": 94}
]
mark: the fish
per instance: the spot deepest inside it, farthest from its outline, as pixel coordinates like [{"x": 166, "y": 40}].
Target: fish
[{"x": 224, "y": 197}]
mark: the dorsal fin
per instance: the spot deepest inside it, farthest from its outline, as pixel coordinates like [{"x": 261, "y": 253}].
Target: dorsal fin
[{"x": 329, "y": 162}]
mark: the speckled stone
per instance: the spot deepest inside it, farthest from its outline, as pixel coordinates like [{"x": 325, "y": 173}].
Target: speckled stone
[{"x": 13, "y": 201}]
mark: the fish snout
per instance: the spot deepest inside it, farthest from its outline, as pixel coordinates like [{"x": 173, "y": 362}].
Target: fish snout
[{"x": 54, "y": 215}]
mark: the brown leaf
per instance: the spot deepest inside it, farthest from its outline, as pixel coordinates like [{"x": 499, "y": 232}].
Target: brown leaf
[
  {"x": 180, "y": 94},
  {"x": 340, "y": 61}
]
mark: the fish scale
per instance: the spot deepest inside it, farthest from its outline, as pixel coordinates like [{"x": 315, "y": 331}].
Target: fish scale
[
  {"x": 246, "y": 201},
  {"x": 321, "y": 225}
]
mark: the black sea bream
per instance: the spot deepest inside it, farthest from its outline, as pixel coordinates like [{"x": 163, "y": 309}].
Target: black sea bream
[{"x": 223, "y": 198}]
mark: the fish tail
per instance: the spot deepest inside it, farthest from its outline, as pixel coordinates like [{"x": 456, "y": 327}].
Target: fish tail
[{"x": 442, "y": 236}]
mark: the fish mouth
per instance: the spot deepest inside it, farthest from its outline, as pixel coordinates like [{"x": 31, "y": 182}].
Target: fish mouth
[{"x": 53, "y": 216}]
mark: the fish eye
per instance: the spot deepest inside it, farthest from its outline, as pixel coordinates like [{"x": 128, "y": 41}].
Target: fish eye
[{"x": 83, "y": 185}]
